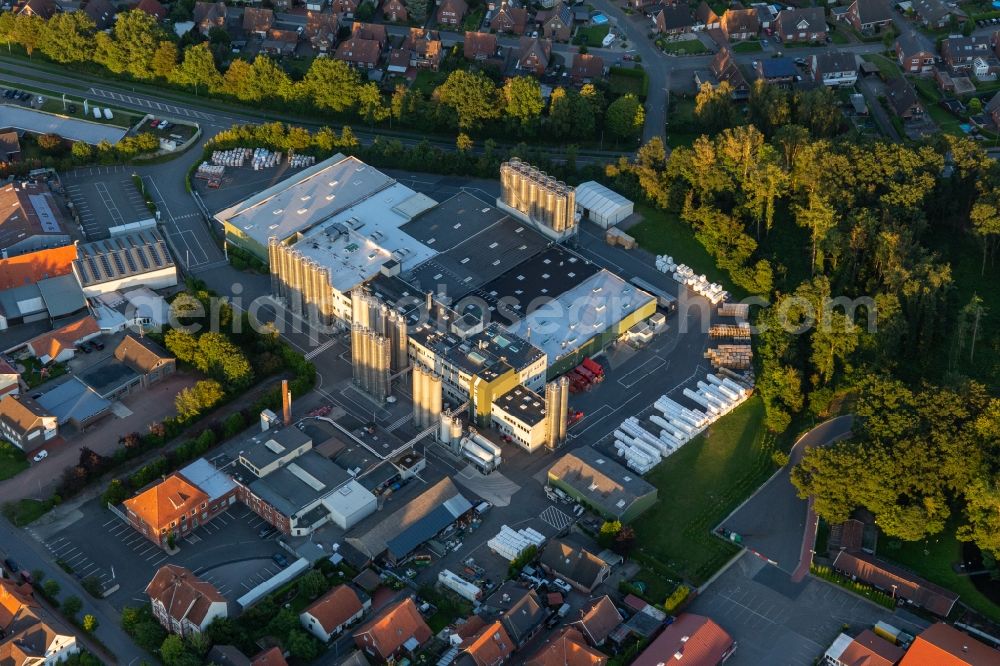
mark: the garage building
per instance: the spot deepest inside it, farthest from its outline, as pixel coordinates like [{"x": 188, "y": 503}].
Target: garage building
[{"x": 604, "y": 207}]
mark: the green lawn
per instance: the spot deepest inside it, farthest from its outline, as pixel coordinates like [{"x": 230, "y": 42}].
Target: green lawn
[
  {"x": 591, "y": 35},
  {"x": 686, "y": 46},
  {"x": 474, "y": 19},
  {"x": 888, "y": 68},
  {"x": 25, "y": 511},
  {"x": 838, "y": 37},
  {"x": 623, "y": 80},
  {"x": 930, "y": 95},
  {"x": 933, "y": 560},
  {"x": 12, "y": 460},
  {"x": 35, "y": 373},
  {"x": 426, "y": 81},
  {"x": 54, "y": 104},
  {"x": 661, "y": 232},
  {"x": 681, "y": 126},
  {"x": 698, "y": 487},
  {"x": 749, "y": 46}
]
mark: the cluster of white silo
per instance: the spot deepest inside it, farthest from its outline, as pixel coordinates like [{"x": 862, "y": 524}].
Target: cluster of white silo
[
  {"x": 371, "y": 357},
  {"x": 449, "y": 430},
  {"x": 426, "y": 397},
  {"x": 556, "y": 410},
  {"x": 718, "y": 396},
  {"x": 510, "y": 544}
]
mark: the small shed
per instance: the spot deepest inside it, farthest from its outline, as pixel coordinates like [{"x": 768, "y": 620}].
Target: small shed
[{"x": 604, "y": 207}]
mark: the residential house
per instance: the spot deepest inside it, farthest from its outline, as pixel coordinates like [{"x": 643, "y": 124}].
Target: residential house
[
  {"x": 937, "y": 14},
  {"x": 557, "y": 23},
  {"x": 336, "y": 610},
  {"x": 599, "y": 620},
  {"x": 29, "y": 635},
  {"x": 777, "y": 71},
  {"x": 523, "y": 613},
  {"x": 985, "y": 68},
  {"x": 801, "y": 25},
  {"x": 272, "y": 656},
  {"x": 145, "y": 357},
  {"x": 372, "y": 31},
  {"x": 739, "y": 24},
  {"x": 10, "y": 147},
  {"x": 706, "y": 17},
  {"x": 510, "y": 18},
  {"x": 43, "y": 9},
  {"x": 586, "y": 68},
  {"x": 423, "y": 48},
  {"x": 674, "y": 20},
  {"x": 60, "y": 344},
  {"x": 396, "y": 631},
  {"x": 491, "y": 646},
  {"x": 902, "y": 98},
  {"x": 24, "y": 423},
  {"x": 868, "y": 648},
  {"x": 571, "y": 559},
  {"x": 992, "y": 110},
  {"x": 257, "y": 21},
  {"x": 10, "y": 379},
  {"x": 344, "y": 8},
  {"x": 395, "y": 11},
  {"x": 533, "y": 55},
  {"x": 480, "y": 46},
  {"x": 321, "y": 30},
  {"x": 959, "y": 52},
  {"x": 452, "y": 12},
  {"x": 315, "y": 5},
  {"x": 567, "y": 648},
  {"x": 869, "y": 16},
  {"x": 915, "y": 55},
  {"x": 183, "y": 603},
  {"x": 766, "y": 15},
  {"x": 941, "y": 644},
  {"x": 834, "y": 68},
  {"x": 180, "y": 503},
  {"x": 208, "y": 15},
  {"x": 360, "y": 53},
  {"x": 690, "y": 639},
  {"x": 153, "y": 8},
  {"x": 101, "y": 12},
  {"x": 892, "y": 579},
  {"x": 280, "y": 42}
]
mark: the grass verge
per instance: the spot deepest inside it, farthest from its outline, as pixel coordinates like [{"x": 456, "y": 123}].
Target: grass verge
[
  {"x": 749, "y": 46},
  {"x": 25, "y": 511},
  {"x": 933, "y": 559},
  {"x": 12, "y": 461},
  {"x": 682, "y": 47},
  {"x": 700, "y": 485}
]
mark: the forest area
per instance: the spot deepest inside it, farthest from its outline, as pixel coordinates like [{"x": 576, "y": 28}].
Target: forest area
[{"x": 878, "y": 262}]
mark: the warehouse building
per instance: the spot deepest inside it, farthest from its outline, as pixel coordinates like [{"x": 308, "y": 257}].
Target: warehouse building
[
  {"x": 602, "y": 206},
  {"x": 136, "y": 259},
  {"x": 29, "y": 219},
  {"x": 593, "y": 479}
]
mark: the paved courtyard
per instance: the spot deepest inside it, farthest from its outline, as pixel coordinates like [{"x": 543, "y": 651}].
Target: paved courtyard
[
  {"x": 104, "y": 197},
  {"x": 780, "y": 623}
]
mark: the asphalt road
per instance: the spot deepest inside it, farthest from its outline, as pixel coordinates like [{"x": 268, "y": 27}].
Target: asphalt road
[{"x": 774, "y": 522}]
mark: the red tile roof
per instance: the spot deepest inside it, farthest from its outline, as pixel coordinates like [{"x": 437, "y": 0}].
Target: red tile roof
[
  {"x": 397, "y": 624},
  {"x": 692, "y": 640},
  {"x": 870, "y": 649},
  {"x": 943, "y": 645},
  {"x": 490, "y": 647},
  {"x": 567, "y": 648},
  {"x": 52, "y": 343},
  {"x": 183, "y": 595},
  {"x": 166, "y": 502},
  {"x": 30, "y": 268},
  {"x": 907, "y": 585},
  {"x": 599, "y": 620},
  {"x": 335, "y": 608},
  {"x": 271, "y": 657}
]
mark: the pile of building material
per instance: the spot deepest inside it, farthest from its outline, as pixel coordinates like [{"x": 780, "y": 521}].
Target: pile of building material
[
  {"x": 665, "y": 263},
  {"x": 235, "y": 157},
  {"x": 741, "y": 311},
  {"x": 643, "y": 450},
  {"x": 615, "y": 236},
  {"x": 740, "y": 331},
  {"x": 463, "y": 588},
  {"x": 713, "y": 291},
  {"x": 264, "y": 159},
  {"x": 300, "y": 161},
  {"x": 735, "y": 357},
  {"x": 208, "y": 171},
  {"x": 510, "y": 544}
]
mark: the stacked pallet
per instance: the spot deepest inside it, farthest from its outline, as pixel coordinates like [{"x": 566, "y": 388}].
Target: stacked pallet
[
  {"x": 739, "y": 310},
  {"x": 736, "y": 357},
  {"x": 300, "y": 161},
  {"x": 615, "y": 236},
  {"x": 264, "y": 159},
  {"x": 738, "y": 332},
  {"x": 234, "y": 157},
  {"x": 208, "y": 171},
  {"x": 713, "y": 291},
  {"x": 510, "y": 543}
]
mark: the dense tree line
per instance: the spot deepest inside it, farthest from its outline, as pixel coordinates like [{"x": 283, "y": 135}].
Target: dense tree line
[{"x": 138, "y": 48}]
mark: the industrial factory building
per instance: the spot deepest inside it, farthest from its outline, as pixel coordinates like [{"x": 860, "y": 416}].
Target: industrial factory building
[
  {"x": 520, "y": 414},
  {"x": 595, "y": 480},
  {"x": 602, "y": 206}
]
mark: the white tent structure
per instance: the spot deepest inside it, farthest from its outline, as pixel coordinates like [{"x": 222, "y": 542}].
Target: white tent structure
[{"x": 604, "y": 207}]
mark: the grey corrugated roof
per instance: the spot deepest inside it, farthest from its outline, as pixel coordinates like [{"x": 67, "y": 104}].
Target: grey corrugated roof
[
  {"x": 601, "y": 480},
  {"x": 211, "y": 481},
  {"x": 285, "y": 490},
  {"x": 73, "y": 400},
  {"x": 62, "y": 295}
]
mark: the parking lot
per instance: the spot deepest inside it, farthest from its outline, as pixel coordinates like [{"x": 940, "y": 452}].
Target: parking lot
[
  {"x": 228, "y": 551},
  {"x": 104, "y": 197},
  {"x": 777, "y": 622}
]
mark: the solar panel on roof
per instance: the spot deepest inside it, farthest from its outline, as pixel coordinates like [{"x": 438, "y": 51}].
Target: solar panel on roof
[
  {"x": 141, "y": 254},
  {"x": 106, "y": 266},
  {"x": 130, "y": 261},
  {"x": 118, "y": 263}
]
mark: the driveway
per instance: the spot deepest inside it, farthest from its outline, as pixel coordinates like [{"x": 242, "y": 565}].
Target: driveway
[
  {"x": 871, "y": 88},
  {"x": 780, "y": 623},
  {"x": 775, "y": 523}
]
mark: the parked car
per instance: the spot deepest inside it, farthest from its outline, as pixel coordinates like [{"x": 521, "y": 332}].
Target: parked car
[
  {"x": 84, "y": 347},
  {"x": 98, "y": 344},
  {"x": 280, "y": 560},
  {"x": 12, "y": 566},
  {"x": 563, "y": 586},
  {"x": 265, "y": 532},
  {"x": 41, "y": 455}
]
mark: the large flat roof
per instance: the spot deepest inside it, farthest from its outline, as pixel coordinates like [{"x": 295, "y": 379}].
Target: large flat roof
[
  {"x": 303, "y": 481},
  {"x": 305, "y": 199},
  {"x": 74, "y": 129},
  {"x": 574, "y": 317},
  {"x": 490, "y": 348},
  {"x": 355, "y": 242},
  {"x": 600, "y": 479}
]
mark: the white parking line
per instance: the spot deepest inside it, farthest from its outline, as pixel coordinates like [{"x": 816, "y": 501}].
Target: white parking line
[{"x": 157, "y": 562}]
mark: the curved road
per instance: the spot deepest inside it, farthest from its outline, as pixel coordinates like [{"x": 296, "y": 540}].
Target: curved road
[{"x": 776, "y": 525}]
